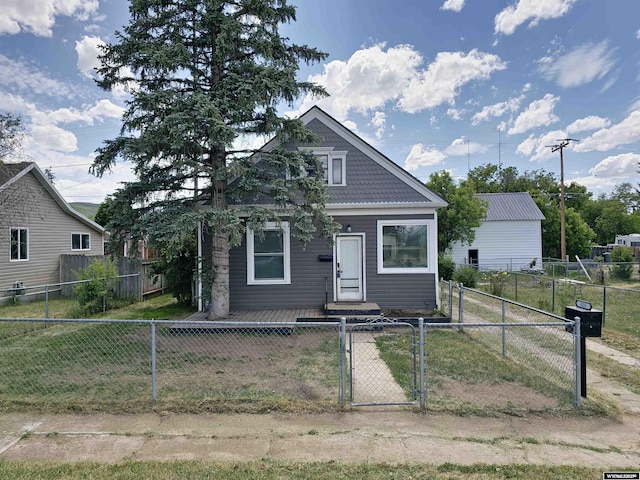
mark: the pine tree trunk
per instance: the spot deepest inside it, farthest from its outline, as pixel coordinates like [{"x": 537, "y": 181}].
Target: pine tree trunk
[{"x": 219, "y": 249}]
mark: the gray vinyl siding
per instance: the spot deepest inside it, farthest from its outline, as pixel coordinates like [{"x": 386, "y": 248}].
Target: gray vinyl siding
[
  {"x": 366, "y": 180},
  {"x": 308, "y": 276},
  {"x": 49, "y": 236}
]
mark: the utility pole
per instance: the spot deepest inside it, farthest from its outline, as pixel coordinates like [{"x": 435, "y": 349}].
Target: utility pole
[{"x": 554, "y": 148}]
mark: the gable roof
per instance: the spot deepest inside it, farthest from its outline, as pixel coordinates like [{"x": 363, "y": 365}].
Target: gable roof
[
  {"x": 424, "y": 193},
  {"x": 510, "y": 206},
  {"x": 10, "y": 173}
]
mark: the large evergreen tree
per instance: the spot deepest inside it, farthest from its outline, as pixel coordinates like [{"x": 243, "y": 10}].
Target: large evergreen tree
[{"x": 203, "y": 76}]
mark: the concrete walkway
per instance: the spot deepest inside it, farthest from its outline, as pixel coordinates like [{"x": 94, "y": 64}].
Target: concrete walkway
[
  {"x": 373, "y": 382},
  {"x": 382, "y": 436}
]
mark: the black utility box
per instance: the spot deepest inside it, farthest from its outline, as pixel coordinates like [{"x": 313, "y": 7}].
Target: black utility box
[{"x": 590, "y": 320}]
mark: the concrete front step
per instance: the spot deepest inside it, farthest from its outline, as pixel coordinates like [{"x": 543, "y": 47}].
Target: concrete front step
[{"x": 351, "y": 309}]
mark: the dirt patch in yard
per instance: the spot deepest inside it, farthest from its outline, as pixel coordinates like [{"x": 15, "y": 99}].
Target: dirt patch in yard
[
  {"x": 486, "y": 395},
  {"x": 302, "y": 365}
]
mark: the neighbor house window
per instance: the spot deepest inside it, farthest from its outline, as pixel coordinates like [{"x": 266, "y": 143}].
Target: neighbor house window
[
  {"x": 333, "y": 164},
  {"x": 19, "y": 244},
  {"x": 268, "y": 255},
  {"x": 80, "y": 241},
  {"x": 403, "y": 246}
]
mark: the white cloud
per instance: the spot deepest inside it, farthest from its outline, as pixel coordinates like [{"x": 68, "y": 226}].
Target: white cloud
[
  {"x": 539, "y": 113},
  {"x": 102, "y": 109},
  {"x": 22, "y": 77},
  {"x": 39, "y": 16},
  {"x": 88, "y": 50},
  {"x": 638, "y": 34},
  {"x": 442, "y": 80},
  {"x": 419, "y": 156},
  {"x": 366, "y": 81},
  {"x": 497, "y": 110},
  {"x": 454, "y": 113},
  {"x": 623, "y": 165},
  {"x": 453, "y": 5},
  {"x": 539, "y": 148},
  {"x": 592, "y": 122},
  {"x": 379, "y": 121},
  {"x": 373, "y": 76},
  {"x": 462, "y": 147},
  {"x": 623, "y": 133},
  {"x": 53, "y": 137},
  {"x": 583, "y": 64},
  {"x": 530, "y": 10}
]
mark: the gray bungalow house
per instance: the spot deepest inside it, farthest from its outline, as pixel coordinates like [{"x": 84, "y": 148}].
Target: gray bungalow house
[
  {"x": 509, "y": 237},
  {"x": 385, "y": 253},
  {"x": 37, "y": 226}
]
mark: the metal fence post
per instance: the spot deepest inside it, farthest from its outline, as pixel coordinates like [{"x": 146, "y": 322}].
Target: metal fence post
[
  {"x": 343, "y": 361},
  {"x": 450, "y": 298},
  {"x": 604, "y": 304},
  {"x": 423, "y": 394},
  {"x": 46, "y": 301},
  {"x": 577, "y": 362},
  {"x": 553, "y": 294},
  {"x": 460, "y": 303},
  {"x": 504, "y": 330},
  {"x": 153, "y": 361}
]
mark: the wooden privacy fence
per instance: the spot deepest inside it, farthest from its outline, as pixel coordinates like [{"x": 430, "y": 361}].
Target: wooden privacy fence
[{"x": 144, "y": 284}]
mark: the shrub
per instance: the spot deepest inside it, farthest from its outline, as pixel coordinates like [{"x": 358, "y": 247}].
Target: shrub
[
  {"x": 468, "y": 276},
  {"x": 497, "y": 282},
  {"x": 96, "y": 293},
  {"x": 622, "y": 258},
  {"x": 446, "y": 266}
]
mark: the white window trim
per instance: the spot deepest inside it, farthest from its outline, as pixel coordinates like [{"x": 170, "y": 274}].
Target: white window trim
[
  {"x": 28, "y": 245},
  {"x": 430, "y": 268},
  {"x": 331, "y": 155},
  {"x": 81, "y": 235},
  {"x": 251, "y": 280}
]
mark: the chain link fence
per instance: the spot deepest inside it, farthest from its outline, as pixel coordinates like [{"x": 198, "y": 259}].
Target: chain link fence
[
  {"x": 480, "y": 362},
  {"x": 620, "y": 306}
]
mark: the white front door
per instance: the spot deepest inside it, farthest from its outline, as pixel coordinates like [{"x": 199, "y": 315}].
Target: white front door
[{"x": 348, "y": 271}]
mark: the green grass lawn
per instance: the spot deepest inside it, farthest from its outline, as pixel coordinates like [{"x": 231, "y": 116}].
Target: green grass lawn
[{"x": 272, "y": 470}]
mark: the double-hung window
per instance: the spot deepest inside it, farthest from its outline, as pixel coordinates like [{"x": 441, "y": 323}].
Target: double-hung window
[
  {"x": 19, "y": 244},
  {"x": 268, "y": 255},
  {"x": 403, "y": 246},
  {"x": 80, "y": 241},
  {"x": 333, "y": 164}
]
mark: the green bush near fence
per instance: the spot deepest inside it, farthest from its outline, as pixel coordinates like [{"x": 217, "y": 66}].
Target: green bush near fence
[
  {"x": 622, "y": 271},
  {"x": 96, "y": 293},
  {"x": 468, "y": 276}
]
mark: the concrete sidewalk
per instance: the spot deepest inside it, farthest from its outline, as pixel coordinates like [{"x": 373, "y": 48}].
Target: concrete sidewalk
[{"x": 392, "y": 436}]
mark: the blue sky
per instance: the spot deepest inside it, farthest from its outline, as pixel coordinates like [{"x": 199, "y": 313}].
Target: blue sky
[{"x": 433, "y": 84}]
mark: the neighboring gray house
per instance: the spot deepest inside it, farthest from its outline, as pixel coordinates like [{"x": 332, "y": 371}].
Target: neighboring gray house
[
  {"x": 510, "y": 236},
  {"x": 386, "y": 252},
  {"x": 36, "y": 226}
]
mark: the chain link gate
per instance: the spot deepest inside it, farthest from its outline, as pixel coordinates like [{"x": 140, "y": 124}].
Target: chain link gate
[{"x": 372, "y": 348}]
